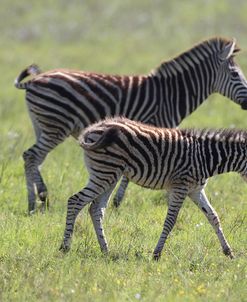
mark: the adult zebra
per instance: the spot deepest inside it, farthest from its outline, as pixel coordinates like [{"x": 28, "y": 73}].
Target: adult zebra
[
  {"x": 63, "y": 102},
  {"x": 180, "y": 161}
]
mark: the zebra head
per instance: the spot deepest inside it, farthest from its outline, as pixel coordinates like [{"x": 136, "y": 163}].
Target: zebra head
[{"x": 230, "y": 80}]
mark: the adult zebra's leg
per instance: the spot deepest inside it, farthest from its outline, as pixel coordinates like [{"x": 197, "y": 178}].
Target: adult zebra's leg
[
  {"x": 76, "y": 203},
  {"x": 120, "y": 192},
  {"x": 176, "y": 198},
  {"x": 97, "y": 211},
  {"x": 200, "y": 199},
  {"x": 40, "y": 185},
  {"x": 33, "y": 158}
]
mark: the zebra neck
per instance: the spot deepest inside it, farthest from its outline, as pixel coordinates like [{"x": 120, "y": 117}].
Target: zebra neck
[
  {"x": 184, "y": 85},
  {"x": 138, "y": 99},
  {"x": 227, "y": 157}
]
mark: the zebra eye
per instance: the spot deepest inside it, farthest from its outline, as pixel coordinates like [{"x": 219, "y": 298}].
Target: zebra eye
[{"x": 234, "y": 74}]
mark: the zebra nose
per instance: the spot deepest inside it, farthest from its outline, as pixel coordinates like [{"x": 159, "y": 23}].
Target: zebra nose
[{"x": 244, "y": 105}]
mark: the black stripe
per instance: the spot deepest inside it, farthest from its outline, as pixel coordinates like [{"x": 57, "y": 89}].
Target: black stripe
[
  {"x": 180, "y": 97},
  {"x": 97, "y": 184},
  {"x": 124, "y": 86},
  {"x": 133, "y": 95},
  {"x": 64, "y": 93},
  {"x": 51, "y": 108}
]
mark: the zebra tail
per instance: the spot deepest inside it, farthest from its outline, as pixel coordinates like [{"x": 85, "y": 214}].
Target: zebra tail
[
  {"x": 30, "y": 70},
  {"x": 96, "y": 139}
]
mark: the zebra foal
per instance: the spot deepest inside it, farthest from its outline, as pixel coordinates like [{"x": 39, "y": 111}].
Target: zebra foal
[
  {"x": 180, "y": 161},
  {"x": 63, "y": 102}
]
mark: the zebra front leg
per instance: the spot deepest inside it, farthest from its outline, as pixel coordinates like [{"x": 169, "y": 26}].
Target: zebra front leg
[
  {"x": 97, "y": 211},
  {"x": 120, "y": 192},
  {"x": 175, "y": 202},
  {"x": 200, "y": 199}
]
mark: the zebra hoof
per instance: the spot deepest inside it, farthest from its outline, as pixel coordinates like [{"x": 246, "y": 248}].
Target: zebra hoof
[
  {"x": 156, "y": 256},
  {"x": 32, "y": 212},
  {"x": 228, "y": 252},
  {"x": 104, "y": 250},
  {"x": 64, "y": 248},
  {"x": 32, "y": 208}
]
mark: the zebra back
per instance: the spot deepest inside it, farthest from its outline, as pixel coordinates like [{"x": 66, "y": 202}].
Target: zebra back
[
  {"x": 157, "y": 156},
  {"x": 164, "y": 97}
]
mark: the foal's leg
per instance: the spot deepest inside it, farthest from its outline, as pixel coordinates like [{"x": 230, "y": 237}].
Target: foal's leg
[
  {"x": 120, "y": 192},
  {"x": 97, "y": 211},
  {"x": 175, "y": 201},
  {"x": 200, "y": 199},
  {"x": 92, "y": 192}
]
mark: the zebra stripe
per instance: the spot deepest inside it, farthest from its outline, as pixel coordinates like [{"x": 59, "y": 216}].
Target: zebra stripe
[
  {"x": 63, "y": 102},
  {"x": 180, "y": 161}
]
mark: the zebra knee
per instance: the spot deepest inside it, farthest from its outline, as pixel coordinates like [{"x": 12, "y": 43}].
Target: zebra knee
[
  {"x": 76, "y": 203},
  {"x": 73, "y": 200},
  {"x": 28, "y": 157}
]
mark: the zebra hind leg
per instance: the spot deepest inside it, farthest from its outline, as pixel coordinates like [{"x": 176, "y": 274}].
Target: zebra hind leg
[
  {"x": 40, "y": 186},
  {"x": 200, "y": 199},
  {"x": 120, "y": 192},
  {"x": 34, "y": 181},
  {"x": 77, "y": 202},
  {"x": 97, "y": 211},
  {"x": 33, "y": 158}
]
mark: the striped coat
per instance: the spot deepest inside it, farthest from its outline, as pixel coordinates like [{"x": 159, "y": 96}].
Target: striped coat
[
  {"x": 180, "y": 161},
  {"x": 63, "y": 102}
]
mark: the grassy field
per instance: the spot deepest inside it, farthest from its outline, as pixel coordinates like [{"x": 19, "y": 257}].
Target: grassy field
[{"x": 115, "y": 37}]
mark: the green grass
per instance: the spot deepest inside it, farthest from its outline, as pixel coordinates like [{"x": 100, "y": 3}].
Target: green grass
[{"x": 115, "y": 37}]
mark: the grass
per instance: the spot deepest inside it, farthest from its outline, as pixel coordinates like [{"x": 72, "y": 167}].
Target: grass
[{"x": 117, "y": 37}]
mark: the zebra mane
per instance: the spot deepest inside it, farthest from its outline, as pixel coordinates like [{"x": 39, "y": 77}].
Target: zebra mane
[
  {"x": 234, "y": 135},
  {"x": 221, "y": 134},
  {"x": 194, "y": 55}
]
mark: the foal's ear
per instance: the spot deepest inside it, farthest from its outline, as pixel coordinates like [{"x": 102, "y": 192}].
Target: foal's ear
[{"x": 229, "y": 49}]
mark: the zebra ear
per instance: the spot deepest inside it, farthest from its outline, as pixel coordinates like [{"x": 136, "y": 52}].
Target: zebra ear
[{"x": 228, "y": 50}]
